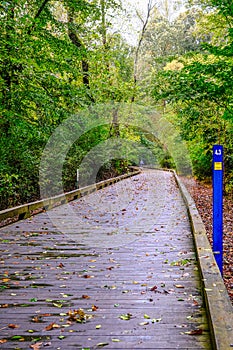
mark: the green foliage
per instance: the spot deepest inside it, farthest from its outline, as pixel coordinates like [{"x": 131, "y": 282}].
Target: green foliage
[
  {"x": 199, "y": 89},
  {"x": 166, "y": 161},
  {"x": 58, "y": 58},
  {"x": 53, "y": 63}
]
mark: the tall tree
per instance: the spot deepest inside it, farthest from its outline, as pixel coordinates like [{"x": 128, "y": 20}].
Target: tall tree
[
  {"x": 53, "y": 57},
  {"x": 144, "y": 22},
  {"x": 200, "y": 89}
]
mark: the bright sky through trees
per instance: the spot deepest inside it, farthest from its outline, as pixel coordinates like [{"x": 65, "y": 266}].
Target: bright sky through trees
[{"x": 130, "y": 24}]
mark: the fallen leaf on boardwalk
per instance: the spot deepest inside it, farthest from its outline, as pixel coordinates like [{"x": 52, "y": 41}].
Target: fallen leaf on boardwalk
[
  {"x": 68, "y": 324},
  {"x": 85, "y": 296},
  {"x": 52, "y": 326},
  {"x": 195, "y": 332},
  {"x": 94, "y": 308},
  {"x": 5, "y": 280},
  {"x": 78, "y": 315},
  {"x": 153, "y": 289},
  {"x": 101, "y": 345},
  {"x": 115, "y": 340},
  {"x": 126, "y": 317},
  {"x": 2, "y": 341},
  {"x": 13, "y": 326},
  {"x": 98, "y": 326},
  {"x": 33, "y": 300},
  {"x": 4, "y": 306},
  {"x": 179, "y": 286},
  {"x": 58, "y": 305},
  {"x": 87, "y": 276},
  {"x": 155, "y": 320},
  {"x": 36, "y": 319},
  {"x": 17, "y": 337},
  {"x": 146, "y": 316},
  {"x": 36, "y": 346},
  {"x": 143, "y": 323},
  {"x": 61, "y": 265},
  {"x": 46, "y": 315}
]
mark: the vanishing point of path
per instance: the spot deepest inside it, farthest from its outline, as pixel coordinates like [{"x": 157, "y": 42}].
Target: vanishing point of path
[{"x": 115, "y": 269}]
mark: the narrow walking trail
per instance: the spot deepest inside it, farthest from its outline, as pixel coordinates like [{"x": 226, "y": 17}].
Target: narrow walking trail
[{"x": 115, "y": 269}]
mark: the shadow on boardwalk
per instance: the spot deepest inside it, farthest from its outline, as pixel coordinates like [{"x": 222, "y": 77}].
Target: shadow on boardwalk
[{"x": 115, "y": 269}]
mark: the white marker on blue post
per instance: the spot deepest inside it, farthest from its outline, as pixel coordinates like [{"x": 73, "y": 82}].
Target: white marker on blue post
[{"x": 218, "y": 168}]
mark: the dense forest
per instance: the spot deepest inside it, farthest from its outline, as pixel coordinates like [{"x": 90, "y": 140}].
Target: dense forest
[{"x": 77, "y": 93}]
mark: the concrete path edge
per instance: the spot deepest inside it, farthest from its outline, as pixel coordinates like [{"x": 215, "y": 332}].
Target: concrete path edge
[{"x": 219, "y": 307}]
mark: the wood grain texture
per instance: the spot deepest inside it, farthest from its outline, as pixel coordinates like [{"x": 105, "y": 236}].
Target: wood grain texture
[{"x": 124, "y": 255}]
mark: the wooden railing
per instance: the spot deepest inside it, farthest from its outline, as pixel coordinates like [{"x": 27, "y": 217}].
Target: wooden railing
[{"x": 26, "y": 210}]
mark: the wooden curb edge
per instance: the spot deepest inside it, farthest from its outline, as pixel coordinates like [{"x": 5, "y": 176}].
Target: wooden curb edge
[{"x": 219, "y": 307}]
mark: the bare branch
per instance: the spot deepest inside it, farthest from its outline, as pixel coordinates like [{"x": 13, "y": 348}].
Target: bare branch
[
  {"x": 150, "y": 7},
  {"x": 140, "y": 16}
]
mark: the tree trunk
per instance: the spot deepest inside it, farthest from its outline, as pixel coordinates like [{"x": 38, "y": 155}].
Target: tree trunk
[
  {"x": 115, "y": 127},
  {"x": 150, "y": 7},
  {"x": 79, "y": 44}
]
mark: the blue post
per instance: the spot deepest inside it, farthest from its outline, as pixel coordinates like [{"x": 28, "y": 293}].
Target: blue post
[{"x": 218, "y": 205}]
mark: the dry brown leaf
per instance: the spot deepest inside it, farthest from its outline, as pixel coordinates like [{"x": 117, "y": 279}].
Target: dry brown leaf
[
  {"x": 87, "y": 276},
  {"x": 46, "y": 315},
  {"x": 52, "y": 326},
  {"x": 179, "y": 286},
  {"x": 195, "y": 332},
  {"x": 13, "y": 326},
  {"x": 36, "y": 346},
  {"x": 85, "y": 296},
  {"x": 153, "y": 289},
  {"x": 36, "y": 319}
]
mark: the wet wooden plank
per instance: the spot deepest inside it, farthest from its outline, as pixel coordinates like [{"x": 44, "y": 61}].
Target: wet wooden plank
[{"x": 127, "y": 250}]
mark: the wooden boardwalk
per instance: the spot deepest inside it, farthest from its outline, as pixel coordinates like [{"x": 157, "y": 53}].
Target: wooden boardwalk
[{"x": 115, "y": 269}]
